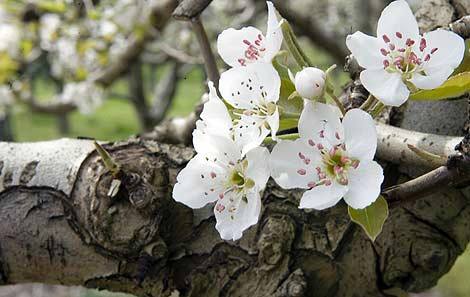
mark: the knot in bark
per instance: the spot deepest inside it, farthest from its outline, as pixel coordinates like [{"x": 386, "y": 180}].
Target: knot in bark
[{"x": 129, "y": 221}]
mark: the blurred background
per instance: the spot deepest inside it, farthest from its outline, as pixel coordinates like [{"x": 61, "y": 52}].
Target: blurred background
[{"x": 55, "y": 53}]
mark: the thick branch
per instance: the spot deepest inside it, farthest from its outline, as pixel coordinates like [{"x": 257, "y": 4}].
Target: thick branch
[
  {"x": 60, "y": 226},
  {"x": 393, "y": 145}
]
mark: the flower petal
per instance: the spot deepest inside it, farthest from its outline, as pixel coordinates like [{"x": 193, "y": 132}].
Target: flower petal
[
  {"x": 273, "y": 122},
  {"x": 366, "y": 50},
  {"x": 433, "y": 80},
  {"x": 293, "y": 164},
  {"x": 398, "y": 17},
  {"x": 360, "y": 134},
  {"x": 364, "y": 184},
  {"x": 387, "y": 87},
  {"x": 215, "y": 115},
  {"x": 234, "y": 214},
  {"x": 258, "y": 166},
  {"x": 216, "y": 147},
  {"x": 273, "y": 35},
  {"x": 317, "y": 117},
  {"x": 250, "y": 132},
  {"x": 196, "y": 186},
  {"x": 232, "y": 45},
  {"x": 246, "y": 87},
  {"x": 322, "y": 197},
  {"x": 450, "y": 50}
]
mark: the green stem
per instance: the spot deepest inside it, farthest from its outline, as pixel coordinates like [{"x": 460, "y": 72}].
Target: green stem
[
  {"x": 368, "y": 103},
  {"x": 336, "y": 100},
  {"x": 293, "y": 45},
  {"x": 293, "y": 136},
  {"x": 377, "y": 109},
  {"x": 290, "y": 115}
]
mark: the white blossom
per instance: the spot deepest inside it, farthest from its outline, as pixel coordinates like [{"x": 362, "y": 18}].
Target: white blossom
[
  {"x": 310, "y": 82},
  {"x": 10, "y": 39},
  {"x": 220, "y": 173},
  {"x": 332, "y": 159},
  {"x": 399, "y": 59},
  {"x": 86, "y": 95},
  {"x": 254, "y": 91},
  {"x": 248, "y": 45},
  {"x": 48, "y": 30}
]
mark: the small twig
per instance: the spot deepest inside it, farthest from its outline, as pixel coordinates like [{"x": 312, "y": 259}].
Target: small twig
[
  {"x": 206, "y": 50},
  {"x": 456, "y": 173},
  {"x": 436, "y": 160}
]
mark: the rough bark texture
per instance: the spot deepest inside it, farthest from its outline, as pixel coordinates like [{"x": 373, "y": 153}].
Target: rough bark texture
[{"x": 60, "y": 227}]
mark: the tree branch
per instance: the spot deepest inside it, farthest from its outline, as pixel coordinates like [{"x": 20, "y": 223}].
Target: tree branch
[
  {"x": 313, "y": 31},
  {"x": 456, "y": 174}
]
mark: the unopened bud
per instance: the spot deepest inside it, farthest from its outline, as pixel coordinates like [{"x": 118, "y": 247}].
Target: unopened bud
[{"x": 310, "y": 82}]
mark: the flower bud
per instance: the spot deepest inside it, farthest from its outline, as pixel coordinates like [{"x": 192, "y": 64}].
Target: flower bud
[{"x": 309, "y": 82}]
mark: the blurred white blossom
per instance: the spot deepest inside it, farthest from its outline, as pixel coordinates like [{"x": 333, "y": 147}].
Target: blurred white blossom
[{"x": 86, "y": 95}]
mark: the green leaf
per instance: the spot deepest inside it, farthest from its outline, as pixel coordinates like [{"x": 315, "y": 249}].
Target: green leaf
[
  {"x": 371, "y": 218},
  {"x": 455, "y": 86}
]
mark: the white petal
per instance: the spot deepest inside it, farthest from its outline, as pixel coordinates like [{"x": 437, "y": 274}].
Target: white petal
[
  {"x": 258, "y": 166},
  {"x": 317, "y": 117},
  {"x": 322, "y": 197},
  {"x": 449, "y": 53},
  {"x": 273, "y": 122},
  {"x": 364, "y": 184},
  {"x": 273, "y": 34},
  {"x": 398, "y": 17},
  {"x": 245, "y": 87},
  {"x": 235, "y": 217},
  {"x": 196, "y": 186},
  {"x": 250, "y": 133},
  {"x": 387, "y": 87},
  {"x": 215, "y": 114},
  {"x": 360, "y": 134},
  {"x": 232, "y": 45},
  {"x": 217, "y": 147},
  {"x": 432, "y": 81},
  {"x": 366, "y": 50},
  {"x": 289, "y": 167}
]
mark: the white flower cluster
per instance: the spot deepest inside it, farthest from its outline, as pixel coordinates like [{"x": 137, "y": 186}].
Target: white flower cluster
[{"x": 333, "y": 156}]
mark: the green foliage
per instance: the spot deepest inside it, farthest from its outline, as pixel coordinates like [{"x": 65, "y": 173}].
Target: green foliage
[
  {"x": 455, "y": 86},
  {"x": 371, "y": 218}
]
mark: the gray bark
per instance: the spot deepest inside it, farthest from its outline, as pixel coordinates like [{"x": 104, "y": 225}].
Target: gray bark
[{"x": 60, "y": 227}]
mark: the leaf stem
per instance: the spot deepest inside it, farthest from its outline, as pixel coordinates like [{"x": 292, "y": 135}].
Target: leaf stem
[
  {"x": 293, "y": 46},
  {"x": 338, "y": 103},
  {"x": 378, "y": 108},
  {"x": 290, "y": 115},
  {"x": 368, "y": 103},
  {"x": 293, "y": 136}
]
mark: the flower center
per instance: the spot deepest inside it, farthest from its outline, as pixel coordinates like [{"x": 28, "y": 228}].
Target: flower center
[
  {"x": 407, "y": 59},
  {"x": 237, "y": 179},
  {"x": 254, "y": 50},
  {"x": 337, "y": 164}
]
